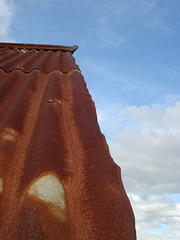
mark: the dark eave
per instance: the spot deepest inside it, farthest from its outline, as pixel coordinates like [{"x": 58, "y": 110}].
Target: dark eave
[{"x": 29, "y": 46}]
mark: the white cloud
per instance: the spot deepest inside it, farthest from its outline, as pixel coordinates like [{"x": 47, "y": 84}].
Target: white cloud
[
  {"x": 155, "y": 116},
  {"x": 158, "y": 217},
  {"x": 6, "y": 17},
  {"x": 144, "y": 141},
  {"x": 150, "y": 160}
]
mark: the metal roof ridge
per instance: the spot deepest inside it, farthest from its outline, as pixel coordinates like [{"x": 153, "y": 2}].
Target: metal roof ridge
[{"x": 62, "y": 48}]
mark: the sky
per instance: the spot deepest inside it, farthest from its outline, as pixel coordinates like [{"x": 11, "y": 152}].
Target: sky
[{"x": 129, "y": 55}]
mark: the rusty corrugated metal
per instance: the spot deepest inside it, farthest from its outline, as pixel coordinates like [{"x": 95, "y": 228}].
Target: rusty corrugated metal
[
  {"x": 28, "y": 46},
  {"x": 57, "y": 178},
  {"x": 29, "y": 58}
]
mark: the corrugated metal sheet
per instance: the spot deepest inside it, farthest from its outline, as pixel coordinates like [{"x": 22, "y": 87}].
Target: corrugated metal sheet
[
  {"x": 57, "y": 178},
  {"x": 28, "y": 59}
]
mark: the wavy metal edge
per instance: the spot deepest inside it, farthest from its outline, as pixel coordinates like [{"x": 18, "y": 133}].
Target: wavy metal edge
[{"x": 37, "y": 69}]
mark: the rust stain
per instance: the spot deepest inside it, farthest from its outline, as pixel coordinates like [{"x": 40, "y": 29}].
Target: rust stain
[{"x": 57, "y": 178}]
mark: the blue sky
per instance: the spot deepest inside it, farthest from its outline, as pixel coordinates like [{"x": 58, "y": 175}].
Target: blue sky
[{"x": 129, "y": 55}]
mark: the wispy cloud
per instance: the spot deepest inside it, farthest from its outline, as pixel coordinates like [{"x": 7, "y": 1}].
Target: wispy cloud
[
  {"x": 118, "y": 20},
  {"x": 6, "y": 17}
]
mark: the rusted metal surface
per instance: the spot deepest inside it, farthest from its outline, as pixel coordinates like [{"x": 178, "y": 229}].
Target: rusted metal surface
[
  {"x": 62, "y": 48},
  {"x": 28, "y": 60},
  {"x": 57, "y": 178}
]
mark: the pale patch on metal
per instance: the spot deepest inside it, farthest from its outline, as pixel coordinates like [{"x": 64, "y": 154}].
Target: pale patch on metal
[
  {"x": 49, "y": 189},
  {"x": 10, "y": 135},
  {"x": 59, "y": 101},
  {"x": 23, "y": 50},
  {"x": 1, "y": 185}
]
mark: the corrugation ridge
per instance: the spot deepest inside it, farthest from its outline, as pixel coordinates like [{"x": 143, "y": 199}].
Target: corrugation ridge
[
  {"x": 32, "y": 63},
  {"x": 37, "y": 69},
  {"x": 57, "y": 62},
  {"x": 28, "y": 62},
  {"x": 14, "y": 61},
  {"x": 75, "y": 157},
  {"x": 45, "y": 62},
  {"x": 6, "y": 55}
]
